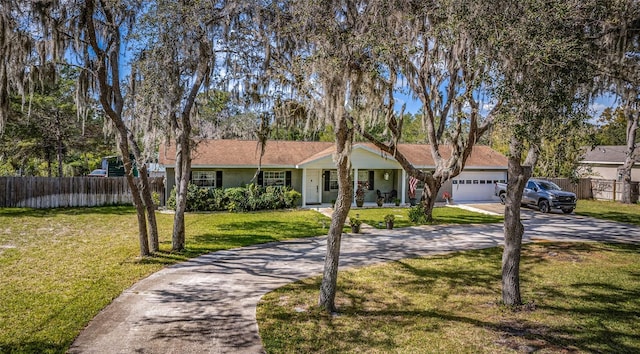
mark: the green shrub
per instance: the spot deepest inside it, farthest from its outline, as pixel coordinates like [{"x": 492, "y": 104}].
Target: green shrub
[
  {"x": 218, "y": 200},
  {"x": 254, "y": 197},
  {"x": 237, "y": 199},
  {"x": 416, "y": 214},
  {"x": 291, "y": 197},
  {"x": 171, "y": 201},
  {"x": 272, "y": 198},
  {"x": 197, "y": 198}
]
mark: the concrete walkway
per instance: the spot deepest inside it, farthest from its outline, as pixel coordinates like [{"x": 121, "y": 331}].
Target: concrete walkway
[{"x": 208, "y": 305}]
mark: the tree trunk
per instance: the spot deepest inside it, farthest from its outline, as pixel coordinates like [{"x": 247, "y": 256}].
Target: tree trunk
[
  {"x": 632, "y": 128},
  {"x": 513, "y": 228},
  {"x": 145, "y": 194},
  {"x": 49, "y": 171},
  {"x": 430, "y": 193},
  {"x": 59, "y": 144},
  {"x": 60, "y": 172},
  {"x": 108, "y": 79},
  {"x": 135, "y": 194},
  {"x": 183, "y": 170},
  {"x": 328, "y": 288},
  {"x": 145, "y": 191},
  {"x": 513, "y": 232}
]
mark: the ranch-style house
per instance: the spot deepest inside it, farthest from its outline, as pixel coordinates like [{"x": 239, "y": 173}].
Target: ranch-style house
[{"x": 308, "y": 168}]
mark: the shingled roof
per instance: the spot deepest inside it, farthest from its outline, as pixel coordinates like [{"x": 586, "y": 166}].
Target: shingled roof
[
  {"x": 289, "y": 154},
  {"x": 609, "y": 154}
]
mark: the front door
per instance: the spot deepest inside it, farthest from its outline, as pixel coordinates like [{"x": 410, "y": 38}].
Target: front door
[{"x": 313, "y": 187}]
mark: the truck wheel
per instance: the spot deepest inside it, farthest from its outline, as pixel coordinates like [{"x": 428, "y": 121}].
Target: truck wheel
[
  {"x": 567, "y": 211},
  {"x": 544, "y": 206},
  {"x": 503, "y": 198}
]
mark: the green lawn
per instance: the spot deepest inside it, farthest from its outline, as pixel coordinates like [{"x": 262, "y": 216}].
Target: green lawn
[
  {"x": 59, "y": 268},
  {"x": 580, "y": 298},
  {"x": 441, "y": 215},
  {"x": 628, "y": 213}
]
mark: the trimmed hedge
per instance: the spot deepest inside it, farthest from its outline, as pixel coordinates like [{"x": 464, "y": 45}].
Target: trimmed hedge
[{"x": 237, "y": 199}]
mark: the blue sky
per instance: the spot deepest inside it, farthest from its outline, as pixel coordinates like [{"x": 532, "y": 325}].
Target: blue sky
[{"x": 595, "y": 108}]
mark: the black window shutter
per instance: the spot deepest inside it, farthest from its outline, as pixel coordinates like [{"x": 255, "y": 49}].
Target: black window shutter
[
  {"x": 260, "y": 179},
  {"x": 371, "y": 180},
  {"x": 327, "y": 180},
  {"x": 218, "y": 179},
  {"x": 287, "y": 179}
]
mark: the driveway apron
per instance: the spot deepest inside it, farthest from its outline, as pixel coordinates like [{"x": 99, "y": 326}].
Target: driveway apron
[{"x": 208, "y": 304}]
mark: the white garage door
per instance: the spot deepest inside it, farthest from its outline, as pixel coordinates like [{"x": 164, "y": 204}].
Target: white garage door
[{"x": 476, "y": 186}]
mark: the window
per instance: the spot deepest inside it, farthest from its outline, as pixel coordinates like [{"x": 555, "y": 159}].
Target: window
[
  {"x": 273, "y": 178},
  {"x": 363, "y": 179},
  {"x": 204, "y": 179},
  {"x": 333, "y": 180}
]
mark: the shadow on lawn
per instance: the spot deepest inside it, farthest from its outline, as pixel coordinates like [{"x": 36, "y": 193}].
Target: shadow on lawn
[
  {"x": 437, "y": 220},
  {"x": 103, "y": 210},
  {"x": 466, "y": 219},
  {"x": 228, "y": 236},
  {"x": 598, "y": 315},
  {"x": 33, "y": 346},
  {"x": 613, "y": 216}
]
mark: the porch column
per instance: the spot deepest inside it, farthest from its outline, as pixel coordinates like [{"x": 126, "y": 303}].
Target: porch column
[
  {"x": 355, "y": 184},
  {"x": 304, "y": 187},
  {"x": 404, "y": 185}
]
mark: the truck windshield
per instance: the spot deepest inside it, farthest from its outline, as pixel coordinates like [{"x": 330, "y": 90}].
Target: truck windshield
[{"x": 549, "y": 186}]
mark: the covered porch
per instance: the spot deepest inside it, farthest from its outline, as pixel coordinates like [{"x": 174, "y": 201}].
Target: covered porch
[{"x": 380, "y": 176}]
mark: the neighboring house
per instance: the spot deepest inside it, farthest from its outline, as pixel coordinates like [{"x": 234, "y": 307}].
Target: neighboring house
[
  {"x": 115, "y": 167},
  {"x": 155, "y": 169},
  {"x": 308, "y": 168},
  {"x": 603, "y": 162}
]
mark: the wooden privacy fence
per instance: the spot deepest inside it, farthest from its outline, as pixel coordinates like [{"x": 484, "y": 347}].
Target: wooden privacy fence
[
  {"x": 582, "y": 188},
  {"x": 612, "y": 190},
  {"x": 603, "y": 189},
  {"x": 45, "y": 192}
]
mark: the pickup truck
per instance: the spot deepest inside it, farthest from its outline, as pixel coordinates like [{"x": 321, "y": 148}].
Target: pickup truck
[{"x": 543, "y": 194}]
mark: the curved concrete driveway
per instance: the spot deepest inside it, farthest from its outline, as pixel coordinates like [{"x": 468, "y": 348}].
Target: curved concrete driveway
[{"x": 208, "y": 305}]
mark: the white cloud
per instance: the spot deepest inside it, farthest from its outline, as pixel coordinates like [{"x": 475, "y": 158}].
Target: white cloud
[
  {"x": 486, "y": 108},
  {"x": 596, "y": 109}
]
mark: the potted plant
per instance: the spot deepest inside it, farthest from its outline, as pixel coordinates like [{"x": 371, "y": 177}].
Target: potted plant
[
  {"x": 412, "y": 197},
  {"x": 355, "y": 225},
  {"x": 380, "y": 201},
  {"x": 412, "y": 201},
  {"x": 389, "y": 219},
  {"x": 360, "y": 196},
  {"x": 396, "y": 202},
  {"x": 447, "y": 197}
]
